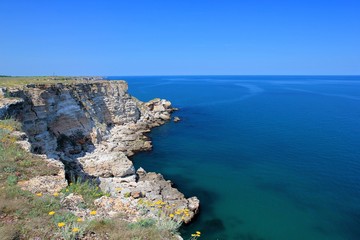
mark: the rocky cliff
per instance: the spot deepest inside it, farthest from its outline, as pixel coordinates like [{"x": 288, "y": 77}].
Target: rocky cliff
[{"x": 91, "y": 129}]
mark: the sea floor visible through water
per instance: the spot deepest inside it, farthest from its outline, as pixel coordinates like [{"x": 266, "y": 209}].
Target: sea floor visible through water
[{"x": 270, "y": 157}]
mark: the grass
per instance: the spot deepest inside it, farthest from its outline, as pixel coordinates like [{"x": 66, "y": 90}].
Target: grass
[
  {"x": 25, "y": 213},
  {"x": 118, "y": 229},
  {"x": 15, "y": 163},
  {"x": 7, "y": 81},
  {"x": 87, "y": 189},
  {"x": 17, "y": 207}
]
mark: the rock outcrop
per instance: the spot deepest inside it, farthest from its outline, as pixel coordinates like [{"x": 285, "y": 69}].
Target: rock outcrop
[
  {"x": 92, "y": 128},
  {"x": 5, "y": 103}
]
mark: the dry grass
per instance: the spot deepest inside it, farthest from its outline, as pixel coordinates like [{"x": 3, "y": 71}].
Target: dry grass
[
  {"x": 117, "y": 229},
  {"x": 24, "y": 215},
  {"x": 9, "y": 232}
]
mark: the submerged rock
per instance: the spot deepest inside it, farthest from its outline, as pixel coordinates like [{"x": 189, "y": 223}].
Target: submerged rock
[{"x": 177, "y": 119}]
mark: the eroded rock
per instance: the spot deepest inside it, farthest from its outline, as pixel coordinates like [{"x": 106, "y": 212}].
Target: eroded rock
[
  {"x": 107, "y": 164},
  {"x": 93, "y": 128}
]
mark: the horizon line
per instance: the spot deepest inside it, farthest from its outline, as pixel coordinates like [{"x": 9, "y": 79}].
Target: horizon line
[{"x": 161, "y": 75}]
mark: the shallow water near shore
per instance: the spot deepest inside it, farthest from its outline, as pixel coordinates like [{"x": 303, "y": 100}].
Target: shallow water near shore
[{"x": 270, "y": 157}]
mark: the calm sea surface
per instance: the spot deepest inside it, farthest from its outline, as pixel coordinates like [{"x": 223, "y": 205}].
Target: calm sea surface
[{"x": 270, "y": 157}]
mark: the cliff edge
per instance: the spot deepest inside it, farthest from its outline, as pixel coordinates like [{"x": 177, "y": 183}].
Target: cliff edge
[{"x": 88, "y": 130}]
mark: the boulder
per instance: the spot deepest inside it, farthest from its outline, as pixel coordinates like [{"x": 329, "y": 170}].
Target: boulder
[
  {"x": 107, "y": 164},
  {"x": 72, "y": 202}
]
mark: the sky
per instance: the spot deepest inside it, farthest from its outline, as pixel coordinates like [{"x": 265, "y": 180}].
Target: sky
[{"x": 179, "y": 37}]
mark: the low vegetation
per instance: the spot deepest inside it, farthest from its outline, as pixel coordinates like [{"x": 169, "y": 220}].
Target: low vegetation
[
  {"x": 87, "y": 189},
  {"x": 15, "y": 163},
  {"x": 119, "y": 229},
  {"x": 8, "y": 81}
]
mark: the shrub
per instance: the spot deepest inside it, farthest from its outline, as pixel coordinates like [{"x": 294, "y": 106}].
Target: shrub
[
  {"x": 143, "y": 223},
  {"x": 87, "y": 189}
]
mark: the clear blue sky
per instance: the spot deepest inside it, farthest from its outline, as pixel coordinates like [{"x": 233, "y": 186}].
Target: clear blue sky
[{"x": 175, "y": 37}]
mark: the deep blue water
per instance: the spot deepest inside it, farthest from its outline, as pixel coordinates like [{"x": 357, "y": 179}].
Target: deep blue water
[{"x": 270, "y": 157}]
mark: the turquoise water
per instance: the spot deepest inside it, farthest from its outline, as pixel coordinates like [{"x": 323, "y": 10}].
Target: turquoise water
[{"x": 271, "y": 158}]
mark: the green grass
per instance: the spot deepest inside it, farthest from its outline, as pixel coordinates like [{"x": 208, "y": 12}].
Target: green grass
[
  {"x": 15, "y": 163},
  {"x": 21, "y": 81},
  {"x": 20, "y": 209},
  {"x": 87, "y": 189}
]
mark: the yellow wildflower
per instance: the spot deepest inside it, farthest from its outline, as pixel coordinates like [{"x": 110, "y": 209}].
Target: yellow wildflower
[
  {"x": 80, "y": 220},
  {"x": 66, "y": 190},
  {"x": 61, "y": 224},
  {"x": 51, "y": 213},
  {"x": 56, "y": 194},
  {"x": 39, "y": 194},
  {"x": 93, "y": 213},
  {"x": 198, "y": 233},
  {"x": 171, "y": 215},
  {"x": 75, "y": 229}
]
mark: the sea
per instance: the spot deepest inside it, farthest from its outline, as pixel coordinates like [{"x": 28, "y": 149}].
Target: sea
[{"x": 269, "y": 157}]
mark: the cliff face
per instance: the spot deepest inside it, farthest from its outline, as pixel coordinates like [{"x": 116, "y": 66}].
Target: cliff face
[
  {"x": 83, "y": 113},
  {"x": 92, "y": 128}
]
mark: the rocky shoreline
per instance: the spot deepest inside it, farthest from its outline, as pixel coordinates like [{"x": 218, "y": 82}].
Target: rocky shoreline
[{"x": 88, "y": 130}]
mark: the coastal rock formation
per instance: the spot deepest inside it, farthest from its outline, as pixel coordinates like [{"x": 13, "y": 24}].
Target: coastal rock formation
[
  {"x": 90, "y": 130},
  {"x": 6, "y": 103},
  {"x": 151, "y": 188},
  {"x": 107, "y": 164}
]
